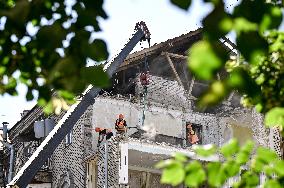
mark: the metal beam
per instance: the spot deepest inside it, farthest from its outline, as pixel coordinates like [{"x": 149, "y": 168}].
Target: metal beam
[{"x": 66, "y": 124}]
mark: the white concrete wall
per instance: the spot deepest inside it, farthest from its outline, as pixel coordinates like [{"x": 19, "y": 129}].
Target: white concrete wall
[
  {"x": 166, "y": 122},
  {"x": 41, "y": 185}
]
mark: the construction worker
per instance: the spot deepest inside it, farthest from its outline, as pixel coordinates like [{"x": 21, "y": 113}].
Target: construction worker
[
  {"x": 192, "y": 136},
  {"x": 144, "y": 78},
  {"x": 120, "y": 124},
  {"x": 103, "y": 133}
]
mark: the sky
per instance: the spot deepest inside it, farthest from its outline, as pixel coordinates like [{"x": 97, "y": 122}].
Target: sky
[{"x": 164, "y": 21}]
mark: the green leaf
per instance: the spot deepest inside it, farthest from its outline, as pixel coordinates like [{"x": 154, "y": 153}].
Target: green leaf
[
  {"x": 230, "y": 148},
  {"x": 19, "y": 13},
  {"x": 66, "y": 94},
  {"x": 173, "y": 174},
  {"x": 216, "y": 93},
  {"x": 257, "y": 165},
  {"x": 268, "y": 170},
  {"x": 243, "y": 155},
  {"x": 48, "y": 108},
  {"x": 240, "y": 80},
  {"x": 243, "y": 25},
  {"x": 266, "y": 155},
  {"x": 231, "y": 168},
  {"x": 183, "y": 4},
  {"x": 242, "y": 158},
  {"x": 164, "y": 163},
  {"x": 251, "y": 10},
  {"x": 193, "y": 166},
  {"x": 51, "y": 36},
  {"x": 272, "y": 19},
  {"x": 12, "y": 83},
  {"x": 216, "y": 175},
  {"x": 205, "y": 151},
  {"x": 279, "y": 168},
  {"x": 97, "y": 50},
  {"x": 272, "y": 184},
  {"x": 180, "y": 157},
  {"x": 255, "y": 48},
  {"x": 260, "y": 79},
  {"x": 203, "y": 61},
  {"x": 29, "y": 95},
  {"x": 95, "y": 75},
  {"x": 248, "y": 147},
  {"x": 218, "y": 23},
  {"x": 251, "y": 179},
  {"x": 195, "y": 175},
  {"x": 278, "y": 44},
  {"x": 274, "y": 117}
]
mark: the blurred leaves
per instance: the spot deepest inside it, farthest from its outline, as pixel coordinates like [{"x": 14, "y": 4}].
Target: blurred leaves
[
  {"x": 204, "y": 59},
  {"x": 258, "y": 74},
  {"x": 97, "y": 50},
  {"x": 174, "y": 172},
  {"x": 257, "y": 71},
  {"x": 217, "y": 23},
  {"x": 204, "y": 151},
  {"x": 252, "y": 45},
  {"x": 49, "y": 47},
  {"x": 96, "y": 76},
  {"x": 230, "y": 148},
  {"x": 275, "y": 117},
  {"x": 195, "y": 174},
  {"x": 183, "y": 4},
  {"x": 235, "y": 161}
]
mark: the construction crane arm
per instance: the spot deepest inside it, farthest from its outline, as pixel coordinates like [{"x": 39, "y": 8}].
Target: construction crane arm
[{"x": 66, "y": 124}]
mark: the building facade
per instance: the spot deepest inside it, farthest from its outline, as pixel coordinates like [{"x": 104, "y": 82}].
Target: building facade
[{"x": 157, "y": 118}]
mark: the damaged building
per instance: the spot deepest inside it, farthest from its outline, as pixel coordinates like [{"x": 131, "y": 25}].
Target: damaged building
[{"x": 157, "y": 117}]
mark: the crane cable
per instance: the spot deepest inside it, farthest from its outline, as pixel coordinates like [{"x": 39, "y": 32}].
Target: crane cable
[{"x": 145, "y": 70}]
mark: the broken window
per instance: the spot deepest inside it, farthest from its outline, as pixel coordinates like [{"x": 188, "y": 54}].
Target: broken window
[{"x": 193, "y": 133}]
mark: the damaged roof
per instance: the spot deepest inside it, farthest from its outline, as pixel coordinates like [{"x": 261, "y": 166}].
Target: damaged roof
[{"x": 176, "y": 45}]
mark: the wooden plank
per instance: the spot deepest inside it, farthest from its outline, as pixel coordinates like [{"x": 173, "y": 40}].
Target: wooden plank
[
  {"x": 175, "y": 55},
  {"x": 173, "y": 68}
]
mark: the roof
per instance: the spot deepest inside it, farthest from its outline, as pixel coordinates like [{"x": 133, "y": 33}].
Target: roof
[{"x": 171, "y": 45}]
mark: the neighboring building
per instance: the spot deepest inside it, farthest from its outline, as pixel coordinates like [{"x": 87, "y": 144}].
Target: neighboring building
[{"x": 168, "y": 107}]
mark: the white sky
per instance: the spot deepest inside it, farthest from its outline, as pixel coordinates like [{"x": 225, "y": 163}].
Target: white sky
[{"x": 163, "y": 20}]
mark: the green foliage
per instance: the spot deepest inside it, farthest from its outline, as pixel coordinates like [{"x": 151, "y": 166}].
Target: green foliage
[
  {"x": 204, "y": 151},
  {"x": 57, "y": 26},
  {"x": 230, "y": 149},
  {"x": 234, "y": 161},
  {"x": 174, "y": 172},
  {"x": 183, "y": 4},
  {"x": 275, "y": 117},
  {"x": 258, "y": 74},
  {"x": 195, "y": 174},
  {"x": 204, "y": 61}
]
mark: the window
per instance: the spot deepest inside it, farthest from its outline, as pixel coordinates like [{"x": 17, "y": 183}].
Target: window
[
  {"x": 193, "y": 133},
  {"x": 68, "y": 139}
]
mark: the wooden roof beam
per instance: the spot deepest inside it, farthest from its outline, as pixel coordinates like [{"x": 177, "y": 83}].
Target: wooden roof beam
[{"x": 178, "y": 56}]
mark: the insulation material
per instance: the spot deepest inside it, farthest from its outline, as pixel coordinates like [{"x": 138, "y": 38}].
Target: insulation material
[{"x": 162, "y": 119}]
